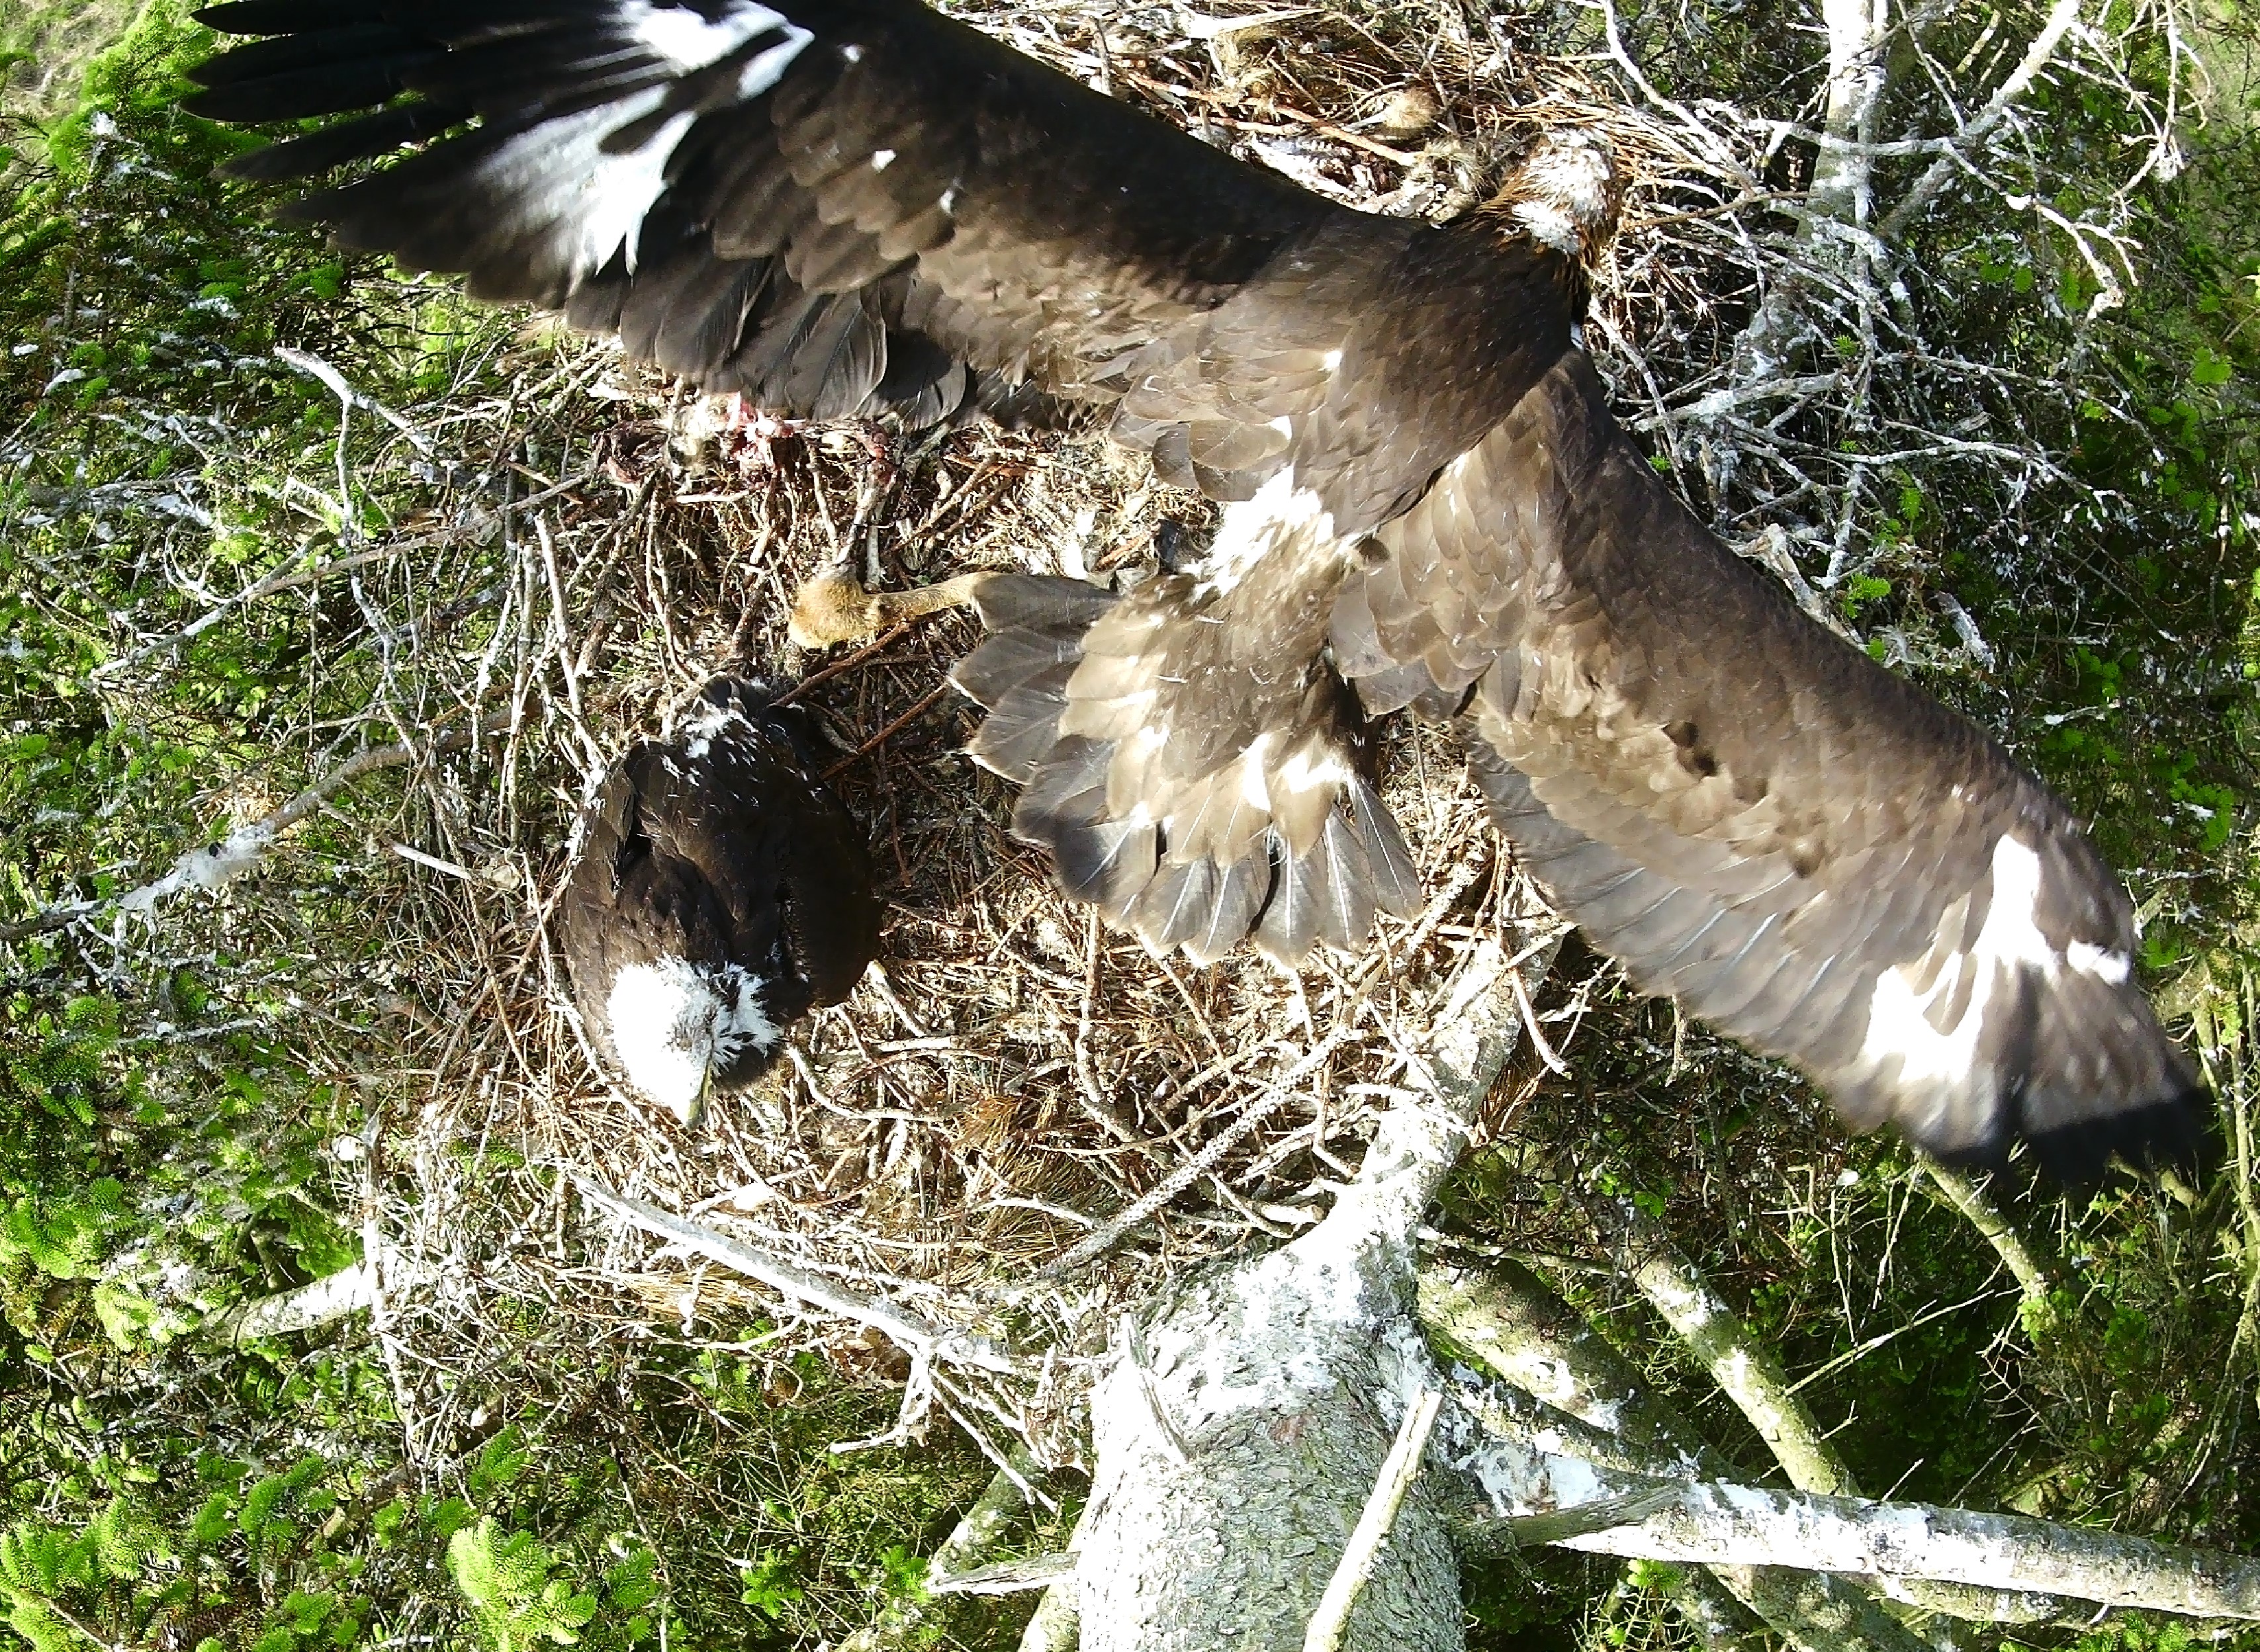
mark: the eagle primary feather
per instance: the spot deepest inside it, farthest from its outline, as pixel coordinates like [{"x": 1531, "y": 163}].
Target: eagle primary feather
[
  {"x": 836, "y": 206},
  {"x": 716, "y": 893}
]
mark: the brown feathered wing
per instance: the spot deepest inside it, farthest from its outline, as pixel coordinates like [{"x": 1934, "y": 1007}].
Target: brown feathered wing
[
  {"x": 1755, "y": 817},
  {"x": 838, "y": 207}
]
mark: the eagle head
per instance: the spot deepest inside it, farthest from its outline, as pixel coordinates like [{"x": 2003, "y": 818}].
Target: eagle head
[
  {"x": 1564, "y": 193},
  {"x": 683, "y": 1029}
]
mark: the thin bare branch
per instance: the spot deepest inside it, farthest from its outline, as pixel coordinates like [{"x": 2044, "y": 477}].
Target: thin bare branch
[
  {"x": 911, "y": 1331},
  {"x": 220, "y": 863},
  {"x": 1720, "y": 1523}
]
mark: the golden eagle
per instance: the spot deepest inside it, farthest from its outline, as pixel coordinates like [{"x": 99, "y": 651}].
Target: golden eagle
[{"x": 839, "y": 206}]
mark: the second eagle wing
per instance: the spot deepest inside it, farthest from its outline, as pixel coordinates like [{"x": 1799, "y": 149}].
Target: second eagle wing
[{"x": 1757, "y": 819}]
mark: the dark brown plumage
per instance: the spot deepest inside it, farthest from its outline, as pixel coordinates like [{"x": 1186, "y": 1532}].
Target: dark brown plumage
[
  {"x": 716, "y": 893},
  {"x": 835, "y": 206}
]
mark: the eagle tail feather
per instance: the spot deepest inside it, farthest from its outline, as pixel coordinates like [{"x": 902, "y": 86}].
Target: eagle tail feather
[
  {"x": 1022, "y": 726},
  {"x": 1177, "y": 904},
  {"x": 1283, "y": 841}
]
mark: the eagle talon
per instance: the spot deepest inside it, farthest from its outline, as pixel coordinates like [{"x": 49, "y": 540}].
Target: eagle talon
[
  {"x": 879, "y": 476},
  {"x": 834, "y": 607}
]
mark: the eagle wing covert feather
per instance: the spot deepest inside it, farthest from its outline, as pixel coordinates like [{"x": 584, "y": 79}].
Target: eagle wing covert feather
[
  {"x": 836, "y": 206},
  {"x": 1757, "y": 818},
  {"x": 830, "y": 205}
]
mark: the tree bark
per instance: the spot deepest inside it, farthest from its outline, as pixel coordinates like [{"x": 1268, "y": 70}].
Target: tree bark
[
  {"x": 309, "y": 1307},
  {"x": 1718, "y": 1523},
  {"x": 1240, "y": 1427}
]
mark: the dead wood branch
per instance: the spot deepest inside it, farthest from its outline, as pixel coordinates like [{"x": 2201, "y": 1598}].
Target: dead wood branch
[
  {"x": 1720, "y": 1523},
  {"x": 1744, "y": 1369},
  {"x": 2035, "y": 1275},
  {"x": 959, "y": 1565},
  {"x": 1241, "y": 1428},
  {"x": 1402, "y": 1466},
  {"x": 291, "y": 575},
  {"x": 1057, "y": 1623},
  {"x": 309, "y": 1307},
  {"x": 1523, "y": 1331},
  {"x": 915, "y": 1335},
  {"x": 1942, "y": 171}
]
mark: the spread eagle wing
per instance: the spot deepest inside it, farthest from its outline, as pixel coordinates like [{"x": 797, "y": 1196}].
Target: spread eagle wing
[
  {"x": 831, "y": 206},
  {"x": 1755, "y": 817},
  {"x": 838, "y": 205},
  {"x": 835, "y": 206}
]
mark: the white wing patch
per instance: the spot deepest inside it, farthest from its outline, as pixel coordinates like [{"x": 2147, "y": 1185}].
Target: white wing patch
[
  {"x": 765, "y": 68},
  {"x": 1255, "y": 786},
  {"x": 1921, "y": 1029},
  {"x": 690, "y": 41},
  {"x": 592, "y": 201},
  {"x": 1280, "y": 515},
  {"x": 2108, "y": 966},
  {"x": 1316, "y": 763}
]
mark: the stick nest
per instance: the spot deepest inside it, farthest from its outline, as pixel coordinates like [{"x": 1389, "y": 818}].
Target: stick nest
[{"x": 588, "y": 545}]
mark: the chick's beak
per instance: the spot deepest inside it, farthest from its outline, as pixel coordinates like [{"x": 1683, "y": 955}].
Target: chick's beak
[{"x": 692, "y": 1114}]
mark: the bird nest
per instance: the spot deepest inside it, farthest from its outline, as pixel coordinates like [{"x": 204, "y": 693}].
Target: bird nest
[{"x": 1012, "y": 1075}]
